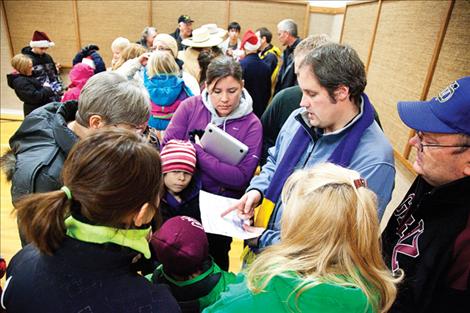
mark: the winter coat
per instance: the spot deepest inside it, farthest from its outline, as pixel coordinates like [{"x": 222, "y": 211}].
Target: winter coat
[
  {"x": 195, "y": 294},
  {"x": 276, "y": 114},
  {"x": 93, "y": 276},
  {"x": 218, "y": 177},
  {"x": 373, "y": 159},
  {"x": 166, "y": 93},
  {"x": 279, "y": 297},
  {"x": 270, "y": 55},
  {"x": 93, "y": 55},
  {"x": 45, "y": 71},
  {"x": 257, "y": 77},
  {"x": 428, "y": 238},
  {"x": 30, "y": 91},
  {"x": 189, "y": 205},
  {"x": 40, "y": 145},
  {"x": 79, "y": 75},
  {"x": 286, "y": 76}
]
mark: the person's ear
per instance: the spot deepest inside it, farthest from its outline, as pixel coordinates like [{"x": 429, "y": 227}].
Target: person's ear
[
  {"x": 466, "y": 169},
  {"x": 243, "y": 83},
  {"x": 95, "y": 121},
  {"x": 341, "y": 93},
  {"x": 144, "y": 215}
]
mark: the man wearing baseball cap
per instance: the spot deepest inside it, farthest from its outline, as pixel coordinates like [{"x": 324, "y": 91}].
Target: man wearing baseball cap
[
  {"x": 184, "y": 30},
  {"x": 428, "y": 235}
]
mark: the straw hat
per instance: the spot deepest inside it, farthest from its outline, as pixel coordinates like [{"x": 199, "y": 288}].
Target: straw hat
[
  {"x": 214, "y": 30},
  {"x": 202, "y": 38}
]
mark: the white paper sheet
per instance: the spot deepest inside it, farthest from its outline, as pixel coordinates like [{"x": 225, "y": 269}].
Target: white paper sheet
[{"x": 211, "y": 207}]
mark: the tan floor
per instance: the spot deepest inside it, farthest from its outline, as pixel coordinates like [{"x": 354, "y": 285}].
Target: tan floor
[{"x": 9, "y": 240}]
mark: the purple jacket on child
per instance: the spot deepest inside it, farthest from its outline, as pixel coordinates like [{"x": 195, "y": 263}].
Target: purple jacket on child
[{"x": 217, "y": 177}]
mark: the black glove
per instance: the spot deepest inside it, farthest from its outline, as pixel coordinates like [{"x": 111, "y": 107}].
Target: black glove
[{"x": 192, "y": 134}]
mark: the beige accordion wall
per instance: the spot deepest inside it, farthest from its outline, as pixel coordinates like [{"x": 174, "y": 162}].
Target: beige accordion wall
[
  {"x": 72, "y": 24},
  {"x": 413, "y": 50}
]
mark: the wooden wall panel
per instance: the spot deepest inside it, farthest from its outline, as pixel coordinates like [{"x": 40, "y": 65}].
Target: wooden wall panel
[
  {"x": 53, "y": 17},
  {"x": 165, "y": 13},
  {"x": 454, "y": 58},
  {"x": 255, "y": 14},
  {"x": 400, "y": 59},
  {"x": 359, "y": 21},
  {"x": 102, "y": 21}
]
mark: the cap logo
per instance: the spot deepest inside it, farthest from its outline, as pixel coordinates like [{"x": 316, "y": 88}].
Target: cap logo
[
  {"x": 448, "y": 92},
  {"x": 193, "y": 221}
]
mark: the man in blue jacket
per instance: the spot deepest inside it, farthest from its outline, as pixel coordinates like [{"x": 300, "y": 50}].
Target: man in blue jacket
[{"x": 335, "y": 123}]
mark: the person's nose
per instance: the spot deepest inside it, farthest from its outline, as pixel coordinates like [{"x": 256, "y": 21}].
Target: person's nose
[
  {"x": 414, "y": 141},
  {"x": 304, "y": 102},
  {"x": 224, "y": 96}
]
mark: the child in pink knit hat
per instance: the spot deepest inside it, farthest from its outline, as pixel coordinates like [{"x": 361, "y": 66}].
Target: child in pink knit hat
[{"x": 182, "y": 187}]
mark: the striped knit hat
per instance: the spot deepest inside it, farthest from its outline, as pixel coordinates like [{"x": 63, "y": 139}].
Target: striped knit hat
[{"x": 178, "y": 155}]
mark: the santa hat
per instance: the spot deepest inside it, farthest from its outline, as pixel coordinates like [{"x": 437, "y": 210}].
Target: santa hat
[
  {"x": 40, "y": 40},
  {"x": 178, "y": 155},
  {"x": 250, "y": 41}
]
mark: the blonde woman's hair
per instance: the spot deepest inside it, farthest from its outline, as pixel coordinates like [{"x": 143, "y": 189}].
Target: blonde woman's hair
[
  {"x": 161, "y": 62},
  {"x": 329, "y": 234},
  {"x": 132, "y": 51},
  {"x": 120, "y": 43},
  {"x": 21, "y": 63},
  {"x": 168, "y": 41}
]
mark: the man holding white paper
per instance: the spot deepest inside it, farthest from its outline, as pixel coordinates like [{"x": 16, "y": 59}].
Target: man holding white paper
[{"x": 334, "y": 124}]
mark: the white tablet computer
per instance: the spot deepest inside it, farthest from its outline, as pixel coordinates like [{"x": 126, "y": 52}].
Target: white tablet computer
[{"x": 222, "y": 145}]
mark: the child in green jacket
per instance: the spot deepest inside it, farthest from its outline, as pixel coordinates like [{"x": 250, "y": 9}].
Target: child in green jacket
[{"x": 181, "y": 247}]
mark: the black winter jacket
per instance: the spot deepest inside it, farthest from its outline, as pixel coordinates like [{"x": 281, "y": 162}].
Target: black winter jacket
[
  {"x": 30, "y": 91},
  {"x": 428, "y": 237},
  {"x": 189, "y": 206},
  {"x": 41, "y": 145},
  {"x": 45, "y": 71},
  {"x": 287, "y": 77},
  {"x": 82, "y": 277}
]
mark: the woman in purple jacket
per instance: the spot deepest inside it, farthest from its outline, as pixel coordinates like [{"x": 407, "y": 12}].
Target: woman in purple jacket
[{"x": 225, "y": 103}]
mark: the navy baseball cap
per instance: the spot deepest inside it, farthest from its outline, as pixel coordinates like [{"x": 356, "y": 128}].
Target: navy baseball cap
[
  {"x": 448, "y": 113},
  {"x": 185, "y": 19}
]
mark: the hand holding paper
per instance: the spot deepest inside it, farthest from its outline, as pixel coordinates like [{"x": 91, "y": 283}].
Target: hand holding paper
[{"x": 212, "y": 206}]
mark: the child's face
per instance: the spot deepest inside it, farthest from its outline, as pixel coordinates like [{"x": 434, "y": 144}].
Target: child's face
[
  {"x": 177, "y": 181},
  {"x": 116, "y": 54},
  {"x": 29, "y": 69},
  {"x": 233, "y": 33}
]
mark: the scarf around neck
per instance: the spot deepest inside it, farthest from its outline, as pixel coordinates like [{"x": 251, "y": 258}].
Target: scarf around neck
[
  {"x": 135, "y": 239},
  {"x": 342, "y": 156}
]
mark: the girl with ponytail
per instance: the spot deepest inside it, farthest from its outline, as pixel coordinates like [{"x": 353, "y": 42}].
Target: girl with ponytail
[
  {"x": 85, "y": 236},
  {"x": 328, "y": 259}
]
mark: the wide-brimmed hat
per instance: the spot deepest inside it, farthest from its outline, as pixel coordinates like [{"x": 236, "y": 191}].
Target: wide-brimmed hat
[
  {"x": 214, "y": 30},
  {"x": 202, "y": 38}
]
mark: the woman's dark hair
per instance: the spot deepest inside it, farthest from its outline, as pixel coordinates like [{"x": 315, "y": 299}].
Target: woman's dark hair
[
  {"x": 234, "y": 25},
  {"x": 110, "y": 173},
  {"x": 204, "y": 59},
  {"x": 221, "y": 67}
]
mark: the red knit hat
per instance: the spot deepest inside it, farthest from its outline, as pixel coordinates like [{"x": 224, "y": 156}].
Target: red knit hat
[
  {"x": 178, "y": 155},
  {"x": 181, "y": 245},
  {"x": 250, "y": 41},
  {"x": 40, "y": 40}
]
